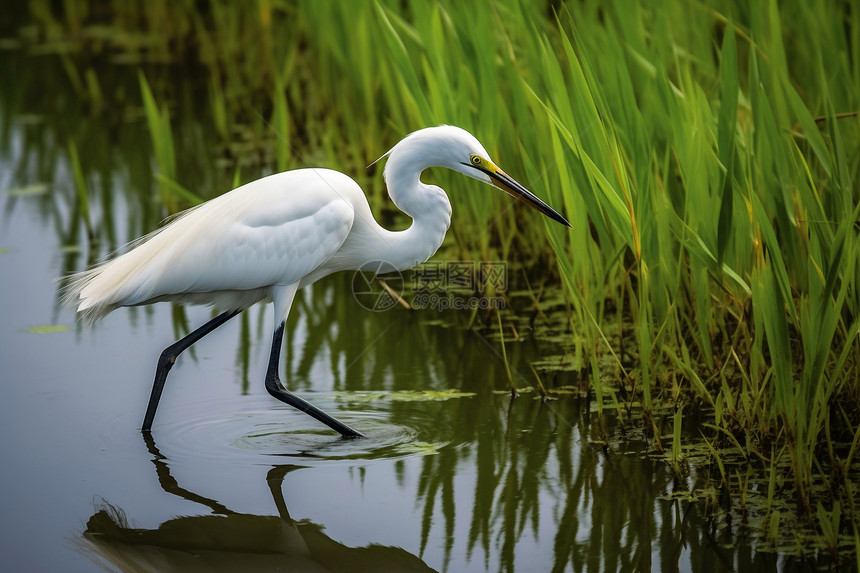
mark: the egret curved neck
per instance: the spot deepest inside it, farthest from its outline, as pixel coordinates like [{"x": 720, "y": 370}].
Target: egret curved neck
[
  {"x": 430, "y": 210},
  {"x": 428, "y": 205}
]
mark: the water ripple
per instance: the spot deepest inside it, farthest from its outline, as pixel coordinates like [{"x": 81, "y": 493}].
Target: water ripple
[{"x": 254, "y": 429}]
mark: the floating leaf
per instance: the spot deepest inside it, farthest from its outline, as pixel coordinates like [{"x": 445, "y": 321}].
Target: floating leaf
[
  {"x": 48, "y": 328},
  {"x": 523, "y": 390},
  {"x": 33, "y": 189},
  {"x": 422, "y": 448},
  {"x": 559, "y": 363},
  {"x": 428, "y": 395},
  {"x": 404, "y": 395}
]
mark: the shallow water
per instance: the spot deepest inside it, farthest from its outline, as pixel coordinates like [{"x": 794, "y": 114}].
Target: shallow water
[{"x": 454, "y": 475}]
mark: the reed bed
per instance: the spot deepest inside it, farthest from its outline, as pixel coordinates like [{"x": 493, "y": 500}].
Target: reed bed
[{"x": 706, "y": 154}]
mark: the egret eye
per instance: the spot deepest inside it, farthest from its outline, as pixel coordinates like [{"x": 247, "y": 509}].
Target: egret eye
[{"x": 476, "y": 160}]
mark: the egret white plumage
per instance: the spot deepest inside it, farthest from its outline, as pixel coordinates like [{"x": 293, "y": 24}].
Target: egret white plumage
[{"x": 269, "y": 238}]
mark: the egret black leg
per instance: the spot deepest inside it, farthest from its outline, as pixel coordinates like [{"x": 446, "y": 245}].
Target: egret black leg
[
  {"x": 276, "y": 389},
  {"x": 168, "y": 359}
]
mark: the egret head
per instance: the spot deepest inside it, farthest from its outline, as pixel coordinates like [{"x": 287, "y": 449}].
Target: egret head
[{"x": 459, "y": 150}]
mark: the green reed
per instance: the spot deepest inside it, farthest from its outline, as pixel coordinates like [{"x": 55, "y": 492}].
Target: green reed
[
  {"x": 741, "y": 232},
  {"x": 81, "y": 192}
]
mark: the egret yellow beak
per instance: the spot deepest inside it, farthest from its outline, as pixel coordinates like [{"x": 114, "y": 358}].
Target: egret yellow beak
[{"x": 510, "y": 186}]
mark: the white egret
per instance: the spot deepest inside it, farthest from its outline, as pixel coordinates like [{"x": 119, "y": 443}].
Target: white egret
[{"x": 269, "y": 238}]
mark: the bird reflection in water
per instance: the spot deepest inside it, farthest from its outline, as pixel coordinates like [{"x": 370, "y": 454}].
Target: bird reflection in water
[{"x": 231, "y": 541}]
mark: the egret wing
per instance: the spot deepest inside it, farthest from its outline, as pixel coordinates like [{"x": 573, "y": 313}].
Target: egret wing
[
  {"x": 266, "y": 245},
  {"x": 273, "y": 231}
]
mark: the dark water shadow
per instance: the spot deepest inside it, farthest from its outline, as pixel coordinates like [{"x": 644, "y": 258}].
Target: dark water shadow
[{"x": 226, "y": 540}]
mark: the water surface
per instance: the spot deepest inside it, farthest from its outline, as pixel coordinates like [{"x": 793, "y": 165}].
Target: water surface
[{"x": 454, "y": 475}]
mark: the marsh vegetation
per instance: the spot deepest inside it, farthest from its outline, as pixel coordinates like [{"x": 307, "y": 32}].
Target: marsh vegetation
[{"x": 703, "y": 310}]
